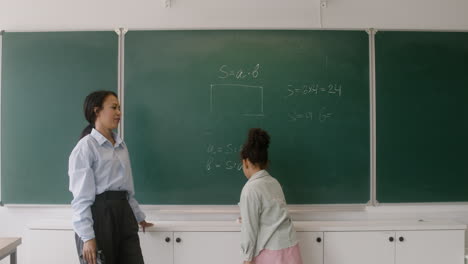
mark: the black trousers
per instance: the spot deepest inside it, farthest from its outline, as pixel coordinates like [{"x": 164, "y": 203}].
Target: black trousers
[{"x": 116, "y": 230}]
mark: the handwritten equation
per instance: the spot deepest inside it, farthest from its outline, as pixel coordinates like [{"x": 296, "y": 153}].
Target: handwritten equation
[
  {"x": 212, "y": 164},
  {"x": 239, "y": 74},
  {"x": 225, "y": 157},
  {"x": 321, "y": 116},
  {"x": 314, "y": 89},
  {"x": 225, "y": 149}
]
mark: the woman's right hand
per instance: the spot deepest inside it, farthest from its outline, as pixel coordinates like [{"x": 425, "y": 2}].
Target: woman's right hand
[{"x": 89, "y": 251}]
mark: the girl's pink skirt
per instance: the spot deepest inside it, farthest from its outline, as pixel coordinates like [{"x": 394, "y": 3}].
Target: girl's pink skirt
[{"x": 291, "y": 255}]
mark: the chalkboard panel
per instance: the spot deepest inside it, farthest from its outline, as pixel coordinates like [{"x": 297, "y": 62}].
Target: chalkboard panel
[
  {"x": 191, "y": 96},
  {"x": 45, "y": 78},
  {"x": 422, "y": 110}
]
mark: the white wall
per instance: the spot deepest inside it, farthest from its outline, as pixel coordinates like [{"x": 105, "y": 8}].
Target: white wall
[
  {"x": 109, "y": 14},
  {"x": 152, "y": 14},
  {"x": 397, "y": 14},
  {"x": 34, "y": 15}
]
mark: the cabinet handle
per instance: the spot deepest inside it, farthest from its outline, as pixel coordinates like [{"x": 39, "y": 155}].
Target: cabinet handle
[
  {"x": 319, "y": 239},
  {"x": 167, "y": 239},
  {"x": 401, "y": 239},
  {"x": 178, "y": 240},
  {"x": 391, "y": 239}
]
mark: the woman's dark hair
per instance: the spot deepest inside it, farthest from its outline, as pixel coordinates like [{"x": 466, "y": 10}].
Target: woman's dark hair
[
  {"x": 94, "y": 99},
  {"x": 255, "y": 149}
]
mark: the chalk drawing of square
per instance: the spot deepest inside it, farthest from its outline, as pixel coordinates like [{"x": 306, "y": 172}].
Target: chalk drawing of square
[{"x": 246, "y": 100}]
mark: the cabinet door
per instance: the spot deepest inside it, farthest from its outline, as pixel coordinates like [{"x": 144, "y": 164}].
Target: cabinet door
[
  {"x": 207, "y": 248},
  {"x": 430, "y": 247},
  {"x": 157, "y": 247},
  {"x": 311, "y": 244},
  {"x": 359, "y": 247},
  {"x": 51, "y": 246}
]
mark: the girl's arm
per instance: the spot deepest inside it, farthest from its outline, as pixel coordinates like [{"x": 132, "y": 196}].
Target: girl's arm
[{"x": 250, "y": 209}]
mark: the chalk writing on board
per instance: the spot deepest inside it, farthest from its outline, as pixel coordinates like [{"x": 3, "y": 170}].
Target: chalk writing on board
[
  {"x": 212, "y": 164},
  {"x": 224, "y": 149},
  {"x": 223, "y": 157},
  {"x": 320, "y": 116},
  {"x": 225, "y": 72},
  {"x": 314, "y": 89},
  {"x": 218, "y": 93}
]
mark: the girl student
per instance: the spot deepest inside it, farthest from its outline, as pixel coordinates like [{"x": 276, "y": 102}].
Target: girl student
[{"x": 267, "y": 232}]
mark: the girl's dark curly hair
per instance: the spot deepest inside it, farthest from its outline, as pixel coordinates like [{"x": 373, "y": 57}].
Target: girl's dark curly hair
[{"x": 255, "y": 149}]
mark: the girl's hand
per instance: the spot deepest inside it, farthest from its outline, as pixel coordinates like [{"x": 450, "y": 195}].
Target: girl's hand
[
  {"x": 89, "y": 251},
  {"x": 249, "y": 262},
  {"x": 145, "y": 224}
]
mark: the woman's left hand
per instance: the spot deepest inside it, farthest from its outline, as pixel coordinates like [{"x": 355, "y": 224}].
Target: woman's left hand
[
  {"x": 145, "y": 224},
  {"x": 249, "y": 262}
]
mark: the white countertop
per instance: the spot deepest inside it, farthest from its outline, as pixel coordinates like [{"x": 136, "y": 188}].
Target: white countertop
[{"x": 301, "y": 226}]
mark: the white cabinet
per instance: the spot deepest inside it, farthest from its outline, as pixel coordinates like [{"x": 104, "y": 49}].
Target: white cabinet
[
  {"x": 311, "y": 244},
  {"x": 157, "y": 247},
  {"x": 430, "y": 247},
  {"x": 58, "y": 246},
  {"x": 359, "y": 248},
  {"x": 51, "y": 246},
  {"x": 323, "y": 243},
  {"x": 207, "y": 248},
  {"x": 214, "y": 247},
  {"x": 403, "y": 247},
  {"x": 191, "y": 247}
]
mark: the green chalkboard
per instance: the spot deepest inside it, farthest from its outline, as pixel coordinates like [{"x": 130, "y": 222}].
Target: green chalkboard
[
  {"x": 422, "y": 116},
  {"x": 45, "y": 78},
  {"x": 190, "y": 97}
]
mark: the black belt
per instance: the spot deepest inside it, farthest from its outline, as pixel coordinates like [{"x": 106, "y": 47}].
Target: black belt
[{"x": 112, "y": 195}]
